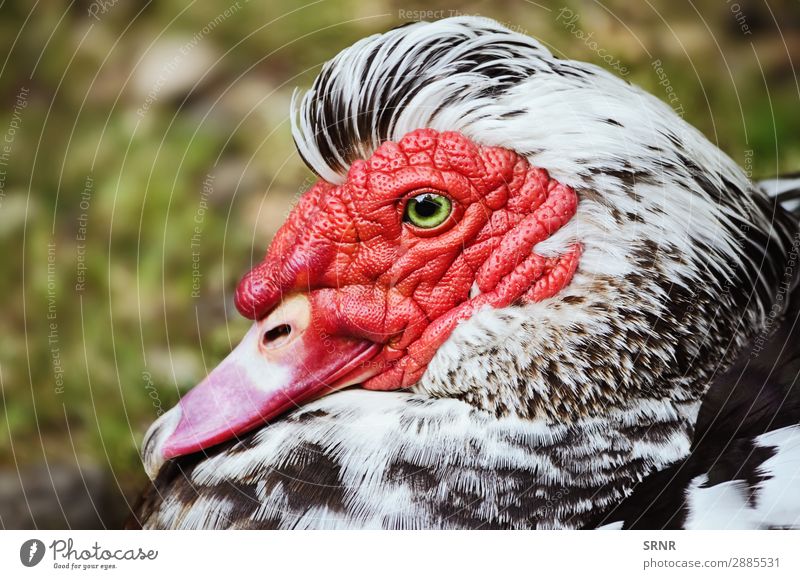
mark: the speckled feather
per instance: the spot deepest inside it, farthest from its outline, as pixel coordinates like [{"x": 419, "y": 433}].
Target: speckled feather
[{"x": 401, "y": 460}]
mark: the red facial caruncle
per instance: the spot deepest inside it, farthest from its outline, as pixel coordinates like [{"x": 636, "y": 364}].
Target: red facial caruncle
[
  {"x": 367, "y": 279},
  {"x": 370, "y": 275}
]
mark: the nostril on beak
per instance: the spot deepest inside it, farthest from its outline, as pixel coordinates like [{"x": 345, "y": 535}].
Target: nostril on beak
[
  {"x": 277, "y": 336},
  {"x": 285, "y": 324}
]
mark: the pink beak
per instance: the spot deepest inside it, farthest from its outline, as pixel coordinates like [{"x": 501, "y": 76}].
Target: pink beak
[{"x": 282, "y": 362}]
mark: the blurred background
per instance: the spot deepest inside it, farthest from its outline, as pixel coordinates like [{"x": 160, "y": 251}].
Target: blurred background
[{"x": 146, "y": 161}]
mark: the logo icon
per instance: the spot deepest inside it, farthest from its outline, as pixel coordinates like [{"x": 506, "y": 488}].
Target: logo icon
[{"x": 31, "y": 552}]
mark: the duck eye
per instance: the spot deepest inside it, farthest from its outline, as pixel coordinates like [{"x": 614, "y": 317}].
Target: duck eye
[{"x": 428, "y": 210}]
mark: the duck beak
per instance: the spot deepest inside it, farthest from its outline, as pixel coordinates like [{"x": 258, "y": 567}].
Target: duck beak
[{"x": 284, "y": 361}]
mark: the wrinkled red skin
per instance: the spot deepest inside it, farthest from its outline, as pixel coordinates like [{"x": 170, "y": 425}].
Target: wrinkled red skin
[{"x": 372, "y": 276}]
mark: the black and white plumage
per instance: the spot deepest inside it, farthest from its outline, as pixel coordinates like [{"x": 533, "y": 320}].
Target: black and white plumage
[{"x": 657, "y": 389}]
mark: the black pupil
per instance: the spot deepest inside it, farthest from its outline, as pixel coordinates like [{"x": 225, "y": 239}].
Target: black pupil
[
  {"x": 427, "y": 207},
  {"x": 276, "y": 333}
]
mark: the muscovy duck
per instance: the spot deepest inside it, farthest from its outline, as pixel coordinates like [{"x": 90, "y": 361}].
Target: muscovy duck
[{"x": 523, "y": 294}]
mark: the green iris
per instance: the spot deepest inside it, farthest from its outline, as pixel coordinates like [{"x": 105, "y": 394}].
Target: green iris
[{"x": 428, "y": 210}]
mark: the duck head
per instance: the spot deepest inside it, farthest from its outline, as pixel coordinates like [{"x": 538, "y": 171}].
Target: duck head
[{"x": 530, "y": 235}]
